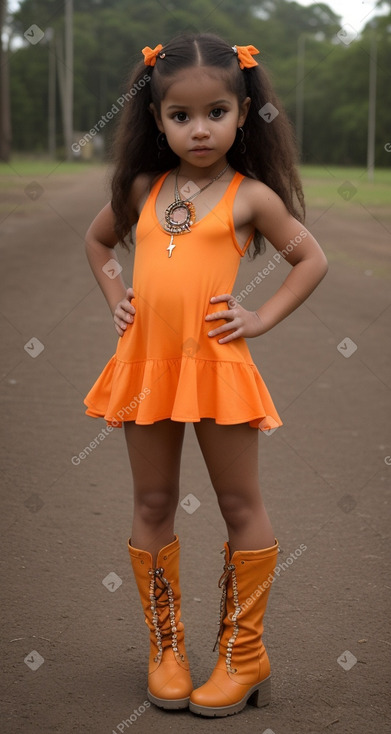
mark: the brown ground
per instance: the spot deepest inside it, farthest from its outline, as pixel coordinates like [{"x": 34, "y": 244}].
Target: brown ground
[{"x": 65, "y": 527}]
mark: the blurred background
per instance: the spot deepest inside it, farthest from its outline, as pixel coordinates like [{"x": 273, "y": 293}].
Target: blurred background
[
  {"x": 73, "y": 653},
  {"x": 64, "y": 65}
]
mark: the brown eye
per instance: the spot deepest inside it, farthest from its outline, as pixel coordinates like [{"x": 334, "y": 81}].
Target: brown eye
[
  {"x": 180, "y": 116},
  {"x": 217, "y": 113}
]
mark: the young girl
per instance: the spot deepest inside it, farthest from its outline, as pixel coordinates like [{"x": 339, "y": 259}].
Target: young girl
[{"x": 205, "y": 166}]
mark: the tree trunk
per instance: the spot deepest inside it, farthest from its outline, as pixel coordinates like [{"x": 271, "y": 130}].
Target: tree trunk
[{"x": 5, "y": 110}]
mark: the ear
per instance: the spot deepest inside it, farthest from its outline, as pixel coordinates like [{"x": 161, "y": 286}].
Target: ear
[
  {"x": 243, "y": 111},
  {"x": 156, "y": 115}
]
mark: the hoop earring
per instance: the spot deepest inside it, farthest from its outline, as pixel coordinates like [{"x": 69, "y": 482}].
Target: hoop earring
[
  {"x": 161, "y": 142},
  {"x": 243, "y": 147}
]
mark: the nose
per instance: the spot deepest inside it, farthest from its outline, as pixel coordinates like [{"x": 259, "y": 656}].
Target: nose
[{"x": 200, "y": 129}]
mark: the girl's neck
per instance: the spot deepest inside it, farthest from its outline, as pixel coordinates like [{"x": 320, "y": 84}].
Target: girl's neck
[{"x": 200, "y": 173}]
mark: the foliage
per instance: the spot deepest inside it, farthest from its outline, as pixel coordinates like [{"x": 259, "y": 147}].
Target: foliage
[{"x": 108, "y": 36}]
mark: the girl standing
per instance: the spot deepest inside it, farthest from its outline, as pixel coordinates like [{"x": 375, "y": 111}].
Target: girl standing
[{"x": 205, "y": 167}]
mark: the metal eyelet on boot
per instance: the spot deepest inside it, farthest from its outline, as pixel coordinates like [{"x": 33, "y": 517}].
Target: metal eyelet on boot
[
  {"x": 155, "y": 619},
  {"x": 158, "y": 573},
  {"x": 229, "y": 570}
]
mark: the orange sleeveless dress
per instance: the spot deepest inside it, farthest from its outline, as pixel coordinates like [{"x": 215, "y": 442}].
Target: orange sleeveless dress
[{"x": 166, "y": 365}]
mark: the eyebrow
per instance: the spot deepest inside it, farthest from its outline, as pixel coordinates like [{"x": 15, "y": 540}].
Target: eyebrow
[{"x": 210, "y": 104}]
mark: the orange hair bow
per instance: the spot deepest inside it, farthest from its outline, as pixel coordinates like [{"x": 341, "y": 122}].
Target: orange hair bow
[
  {"x": 150, "y": 54},
  {"x": 245, "y": 56}
]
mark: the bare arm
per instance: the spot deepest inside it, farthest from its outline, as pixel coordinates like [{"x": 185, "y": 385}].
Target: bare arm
[
  {"x": 100, "y": 242},
  {"x": 309, "y": 266},
  {"x": 308, "y": 261}
]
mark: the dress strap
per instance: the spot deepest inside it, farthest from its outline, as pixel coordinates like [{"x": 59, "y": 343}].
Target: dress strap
[
  {"x": 149, "y": 206},
  {"x": 232, "y": 188},
  {"x": 228, "y": 200},
  {"x": 153, "y": 194}
]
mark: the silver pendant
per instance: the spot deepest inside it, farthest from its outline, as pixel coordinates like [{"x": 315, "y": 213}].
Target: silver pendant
[
  {"x": 179, "y": 217},
  {"x": 170, "y": 246}
]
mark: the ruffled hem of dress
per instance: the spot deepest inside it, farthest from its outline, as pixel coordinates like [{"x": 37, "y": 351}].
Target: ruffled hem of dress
[{"x": 186, "y": 389}]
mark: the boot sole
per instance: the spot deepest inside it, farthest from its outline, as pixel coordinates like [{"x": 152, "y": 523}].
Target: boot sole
[
  {"x": 259, "y": 695},
  {"x": 170, "y": 704}
]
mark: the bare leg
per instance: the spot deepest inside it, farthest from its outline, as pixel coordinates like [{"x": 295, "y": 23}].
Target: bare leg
[
  {"x": 155, "y": 454},
  {"x": 231, "y": 456}
]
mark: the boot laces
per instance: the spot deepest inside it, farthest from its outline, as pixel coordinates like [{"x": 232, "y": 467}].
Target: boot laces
[
  {"x": 229, "y": 571},
  {"x": 158, "y": 587}
]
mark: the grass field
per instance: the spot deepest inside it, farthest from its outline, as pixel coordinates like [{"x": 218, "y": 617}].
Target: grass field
[
  {"x": 21, "y": 168},
  {"x": 323, "y": 185}
]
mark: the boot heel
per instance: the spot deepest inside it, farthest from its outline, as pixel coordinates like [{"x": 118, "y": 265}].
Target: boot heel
[{"x": 262, "y": 695}]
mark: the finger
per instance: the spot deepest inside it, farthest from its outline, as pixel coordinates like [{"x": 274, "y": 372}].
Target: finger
[
  {"x": 126, "y": 313},
  {"x": 121, "y": 326},
  {"x": 223, "y": 297},
  {"x": 124, "y": 307},
  {"x": 223, "y": 329},
  {"x": 219, "y": 315},
  {"x": 129, "y": 293},
  {"x": 235, "y": 335},
  {"x": 127, "y": 307},
  {"x": 227, "y": 297},
  {"x": 119, "y": 321},
  {"x": 119, "y": 330}
]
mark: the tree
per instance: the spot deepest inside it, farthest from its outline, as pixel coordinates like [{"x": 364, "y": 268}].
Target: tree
[
  {"x": 5, "y": 110},
  {"x": 109, "y": 35}
]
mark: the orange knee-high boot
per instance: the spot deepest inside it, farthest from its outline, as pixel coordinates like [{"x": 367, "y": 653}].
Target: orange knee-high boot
[
  {"x": 242, "y": 671},
  {"x": 169, "y": 681}
]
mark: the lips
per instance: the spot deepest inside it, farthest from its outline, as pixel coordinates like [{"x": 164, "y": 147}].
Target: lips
[{"x": 200, "y": 147}]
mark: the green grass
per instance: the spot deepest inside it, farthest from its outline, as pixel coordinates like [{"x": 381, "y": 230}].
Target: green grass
[
  {"x": 321, "y": 184},
  {"x": 18, "y": 167}
]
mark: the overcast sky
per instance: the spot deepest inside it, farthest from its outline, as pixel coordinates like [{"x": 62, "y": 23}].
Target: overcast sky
[{"x": 354, "y": 12}]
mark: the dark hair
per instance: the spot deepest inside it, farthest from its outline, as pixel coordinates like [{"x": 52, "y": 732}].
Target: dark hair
[{"x": 270, "y": 154}]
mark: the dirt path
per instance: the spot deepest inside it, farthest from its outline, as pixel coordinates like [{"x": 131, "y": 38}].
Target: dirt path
[{"x": 74, "y": 652}]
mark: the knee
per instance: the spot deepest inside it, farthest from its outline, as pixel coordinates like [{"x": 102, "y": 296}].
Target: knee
[
  {"x": 235, "y": 510},
  {"x": 155, "y": 505}
]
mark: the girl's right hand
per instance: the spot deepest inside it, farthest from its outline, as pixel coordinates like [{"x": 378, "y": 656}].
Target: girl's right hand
[{"x": 124, "y": 312}]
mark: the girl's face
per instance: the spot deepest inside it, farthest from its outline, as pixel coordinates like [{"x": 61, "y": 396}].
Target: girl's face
[{"x": 200, "y": 116}]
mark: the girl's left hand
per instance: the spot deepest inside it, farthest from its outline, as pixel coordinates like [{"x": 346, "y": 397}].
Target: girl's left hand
[{"x": 240, "y": 322}]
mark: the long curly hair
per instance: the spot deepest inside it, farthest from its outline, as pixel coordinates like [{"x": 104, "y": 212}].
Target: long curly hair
[{"x": 270, "y": 154}]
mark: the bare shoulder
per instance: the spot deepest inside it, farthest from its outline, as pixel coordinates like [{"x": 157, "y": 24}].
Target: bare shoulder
[
  {"x": 255, "y": 200},
  {"x": 258, "y": 193},
  {"x": 140, "y": 190},
  {"x": 103, "y": 226}
]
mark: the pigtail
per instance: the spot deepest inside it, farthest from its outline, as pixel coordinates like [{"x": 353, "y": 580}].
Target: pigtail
[
  {"x": 271, "y": 153},
  {"x": 135, "y": 149}
]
